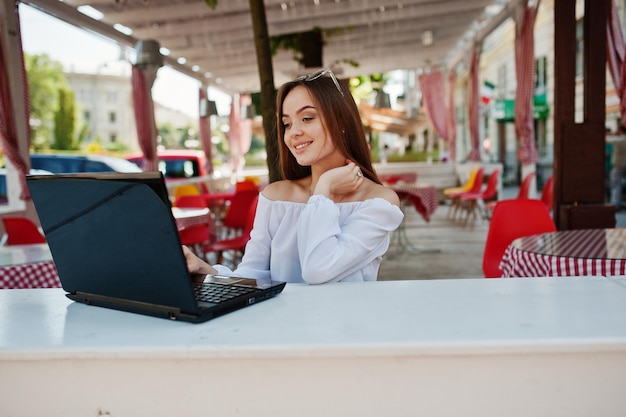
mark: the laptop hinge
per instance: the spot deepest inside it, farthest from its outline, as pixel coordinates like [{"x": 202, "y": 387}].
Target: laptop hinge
[{"x": 128, "y": 305}]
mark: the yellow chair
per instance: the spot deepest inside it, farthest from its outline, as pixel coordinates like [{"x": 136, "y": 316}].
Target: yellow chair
[
  {"x": 476, "y": 182},
  {"x": 256, "y": 180},
  {"x": 465, "y": 187},
  {"x": 186, "y": 189}
]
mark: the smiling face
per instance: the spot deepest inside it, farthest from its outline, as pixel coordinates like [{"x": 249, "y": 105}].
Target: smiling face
[{"x": 305, "y": 133}]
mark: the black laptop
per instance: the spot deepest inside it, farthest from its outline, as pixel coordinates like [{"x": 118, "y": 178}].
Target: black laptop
[{"x": 115, "y": 244}]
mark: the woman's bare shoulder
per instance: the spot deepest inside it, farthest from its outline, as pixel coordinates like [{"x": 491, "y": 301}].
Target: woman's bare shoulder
[
  {"x": 287, "y": 190},
  {"x": 381, "y": 191}
]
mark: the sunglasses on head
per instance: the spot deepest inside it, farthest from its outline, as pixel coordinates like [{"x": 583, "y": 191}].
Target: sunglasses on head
[{"x": 315, "y": 75}]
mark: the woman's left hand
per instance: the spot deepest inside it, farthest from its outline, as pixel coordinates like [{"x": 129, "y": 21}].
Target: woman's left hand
[{"x": 198, "y": 269}]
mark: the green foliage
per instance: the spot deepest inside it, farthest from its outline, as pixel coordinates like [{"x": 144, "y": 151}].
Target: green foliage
[
  {"x": 255, "y": 160},
  {"x": 175, "y": 137},
  {"x": 65, "y": 121},
  {"x": 82, "y": 134},
  {"x": 45, "y": 78},
  {"x": 184, "y": 134},
  {"x": 211, "y": 3},
  {"x": 412, "y": 156},
  {"x": 166, "y": 134},
  {"x": 117, "y": 147}
]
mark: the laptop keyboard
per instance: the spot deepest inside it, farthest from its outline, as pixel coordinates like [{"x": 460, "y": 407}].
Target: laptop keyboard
[{"x": 210, "y": 292}]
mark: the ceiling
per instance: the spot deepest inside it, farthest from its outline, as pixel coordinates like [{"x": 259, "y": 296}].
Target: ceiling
[{"x": 218, "y": 45}]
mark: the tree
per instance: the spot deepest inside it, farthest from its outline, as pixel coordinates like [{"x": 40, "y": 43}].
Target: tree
[
  {"x": 268, "y": 91},
  {"x": 166, "y": 133},
  {"x": 65, "y": 121},
  {"x": 45, "y": 77}
]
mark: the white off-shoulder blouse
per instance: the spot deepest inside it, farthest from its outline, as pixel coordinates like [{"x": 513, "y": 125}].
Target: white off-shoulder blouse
[{"x": 319, "y": 241}]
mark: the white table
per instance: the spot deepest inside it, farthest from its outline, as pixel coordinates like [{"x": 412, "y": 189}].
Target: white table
[
  {"x": 23, "y": 254},
  {"x": 466, "y": 347}
]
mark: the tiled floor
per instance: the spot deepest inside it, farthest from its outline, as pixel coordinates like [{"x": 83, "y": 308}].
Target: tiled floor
[{"x": 438, "y": 249}]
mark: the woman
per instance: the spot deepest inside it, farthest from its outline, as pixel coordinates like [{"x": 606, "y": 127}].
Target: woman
[{"x": 330, "y": 219}]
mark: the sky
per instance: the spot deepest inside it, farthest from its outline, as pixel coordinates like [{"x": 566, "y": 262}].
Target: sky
[{"x": 84, "y": 50}]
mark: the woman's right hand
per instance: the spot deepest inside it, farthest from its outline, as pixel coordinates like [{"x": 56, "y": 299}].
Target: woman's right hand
[
  {"x": 196, "y": 266},
  {"x": 340, "y": 181}
]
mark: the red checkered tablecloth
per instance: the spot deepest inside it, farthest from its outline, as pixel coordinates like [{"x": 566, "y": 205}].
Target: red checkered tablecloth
[
  {"x": 31, "y": 275},
  {"x": 585, "y": 252},
  {"x": 423, "y": 197},
  {"x": 185, "y": 222}
]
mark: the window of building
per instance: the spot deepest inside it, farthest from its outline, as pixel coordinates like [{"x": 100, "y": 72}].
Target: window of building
[
  {"x": 86, "y": 95},
  {"x": 112, "y": 117}
]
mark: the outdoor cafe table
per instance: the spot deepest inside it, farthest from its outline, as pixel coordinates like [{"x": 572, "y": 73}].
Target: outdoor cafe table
[
  {"x": 27, "y": 266},
  {"x": 187, "y": 217},
  {"x": 424, "y": 199},
  {"x": 31, "y": 266},
  {"x": 584, "y": 252},
  {"x": 451, "y": 347}
]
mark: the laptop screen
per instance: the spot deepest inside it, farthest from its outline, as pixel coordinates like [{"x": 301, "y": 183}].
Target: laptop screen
[{"x": 114, "y": 235}]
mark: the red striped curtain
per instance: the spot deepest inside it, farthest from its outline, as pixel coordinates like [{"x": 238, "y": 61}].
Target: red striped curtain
[
  {"x": 246, "y": 126},
  {"x": 240, "y": 133},
  {"x": 441, "y": 118},
  {"x": 205, "y": 133},
  {"x": 451, "y": 117},
  {"x": 473, "y": 97},
  {"x": 142, "y": 81},
  {"x": 433, "y": 92},
  {"x": 525, "y": 71},
  {"x": 8, "y": 131},
  {"x": 615, "y": 57}
]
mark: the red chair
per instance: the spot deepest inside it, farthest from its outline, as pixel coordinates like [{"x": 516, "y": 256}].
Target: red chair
[
  {"x": 396, "y": 179},
  {"x": 246, "y": 185},
  {"x": 190, "y": 201},
  {"x": 237, "y": 213},
  {"x": 235, "y": 244},
  {"x": 522, "y": 194},
  {"x": 547, "y": 194},
  {"x": 471, "y": 202},
  {"x": 511, "y": 219},
  {"x": 524, "y": 189},
  {"x": 21, "y": 231},
  {"x": 456, "y": 196},
  {"x": 195, "y": 236}
]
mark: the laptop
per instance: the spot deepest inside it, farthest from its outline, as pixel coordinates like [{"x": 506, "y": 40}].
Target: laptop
[{"x": 115, "y": 244}]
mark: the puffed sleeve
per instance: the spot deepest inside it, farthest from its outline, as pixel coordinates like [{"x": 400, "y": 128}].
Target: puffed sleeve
[
  {"x": 256, "y": 260},
  {"x": 331, "y": 248}
]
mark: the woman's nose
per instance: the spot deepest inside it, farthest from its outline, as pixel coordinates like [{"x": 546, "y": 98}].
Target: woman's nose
[{"x": 295, "y": 130}]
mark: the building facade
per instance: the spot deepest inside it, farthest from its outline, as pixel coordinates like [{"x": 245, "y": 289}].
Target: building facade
[
  {"x": 497, "y": 70},
  {"x": 105, "y": 105},
  {"x": 104, "y": 99}
]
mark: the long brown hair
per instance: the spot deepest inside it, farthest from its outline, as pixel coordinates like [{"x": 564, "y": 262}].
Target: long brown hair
[{"x": 341, "y": 119}]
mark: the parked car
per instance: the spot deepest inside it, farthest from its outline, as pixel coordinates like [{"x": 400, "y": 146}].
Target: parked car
[
  {"x": 67, "y": 164},
  {"x": 177, "y": 163}
]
